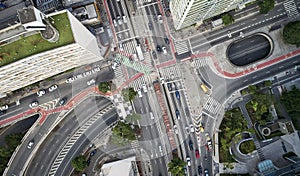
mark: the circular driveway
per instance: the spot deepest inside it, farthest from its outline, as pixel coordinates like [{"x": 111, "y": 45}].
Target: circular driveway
[{"x": 249, "y": 49}]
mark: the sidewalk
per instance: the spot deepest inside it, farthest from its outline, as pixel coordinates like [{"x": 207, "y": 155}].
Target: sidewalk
[{"x": 221, "y": 65}]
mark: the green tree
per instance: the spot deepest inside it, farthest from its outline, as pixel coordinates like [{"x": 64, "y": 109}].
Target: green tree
[
  {"x": 133, "y": 117},
  {"x": 13, "y": 140},
  {"x": 104, "y": 87},
  {"x": 129, "y": 94},
  {"x": 268, "y": 83},
  {"x": 252, "y": 89},
  {"x": 176, "y": 167},
  {"x": 227, "y": 19},
  {"x": 79, "y": 163},
  {"x": 265, "y": 6},
  {"x": 124, "y": 130},
  {"x": 291, "y": 33}
]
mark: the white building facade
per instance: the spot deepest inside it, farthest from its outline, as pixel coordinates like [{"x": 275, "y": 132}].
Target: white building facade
[
  {"x": 188, "y": 12},
  {"x": 26, "y": 71}
]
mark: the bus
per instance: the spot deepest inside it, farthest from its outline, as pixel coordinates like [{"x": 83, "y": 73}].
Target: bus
[
  {"x": 139, "y": 52},
  {"x": 204, "y": 88}
]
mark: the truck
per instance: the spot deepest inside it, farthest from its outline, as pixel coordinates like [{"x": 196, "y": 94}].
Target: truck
[
  {"x": 204, "y": 88},
  {"x": 139, "y": 52}
]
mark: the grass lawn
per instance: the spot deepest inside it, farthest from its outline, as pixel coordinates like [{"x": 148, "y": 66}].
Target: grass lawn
[
  {"x": 30, "y": 45},
  {"x": 247, "y": 147}
]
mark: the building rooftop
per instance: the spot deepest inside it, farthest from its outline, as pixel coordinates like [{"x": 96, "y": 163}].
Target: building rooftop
[
  {"x": 121, "y": 167},
  {"x": 26, "y": 15},
  {"x": 32, "y": 43}
]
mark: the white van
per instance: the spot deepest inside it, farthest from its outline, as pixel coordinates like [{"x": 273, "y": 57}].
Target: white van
[
  {"x": 140, "y": 93},
  {"x": 151, "y": 115}
]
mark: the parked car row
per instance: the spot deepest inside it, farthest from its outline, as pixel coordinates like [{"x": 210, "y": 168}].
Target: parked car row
[
  {"x": 82, "y": 75},
  {"x": 144, "y": 89}
]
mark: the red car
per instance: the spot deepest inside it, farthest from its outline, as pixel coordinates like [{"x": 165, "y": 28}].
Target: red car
[{"x": 197, "y": 153}]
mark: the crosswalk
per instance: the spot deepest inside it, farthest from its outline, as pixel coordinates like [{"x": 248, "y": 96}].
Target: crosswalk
[
  {"x": 49, "y": 105},
  {"x": 200, "y": 62},
  {"x": 129, "y": 47},
  {"x": 291, "y": 8},
  {"x": 172, "y": 72},
  {"x": 135, "y": 144},
  {"x": 212, "y": 106},
  {"x": 119, "y": 72},
  {"x": 181, "y": 47},
  {"x": 147, "y": 58},
  {"x": 137, "y": 84},
  {"x": 140, "y": 67}
]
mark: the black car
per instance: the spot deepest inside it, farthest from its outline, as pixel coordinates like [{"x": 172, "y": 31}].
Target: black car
[
  {"x": 150, "y": 25},
  {"x": 167, "y": 41},
  {"x": 199, "y": 170},
  {"x": 3, "y": 112},
  {"x": 191, "y": 145},
  {"x": 62, "y": 101},
  {"x": 88, "y": 161},
  {"x": 177, "y": 114},
  {"x": 154, "y": 54},
  {"x": 158, "y": 48},
  {"x": 169, "y": 86},
  {"x": 93, "y": 152}
]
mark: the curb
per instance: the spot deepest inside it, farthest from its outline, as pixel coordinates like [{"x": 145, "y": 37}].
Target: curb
[{"x": 246, "y": 71}]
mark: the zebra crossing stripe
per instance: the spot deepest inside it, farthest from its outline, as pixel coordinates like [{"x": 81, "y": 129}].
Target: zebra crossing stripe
[
  {"x": 212, "y": 105},
  {"x": 181, "y": 47}
]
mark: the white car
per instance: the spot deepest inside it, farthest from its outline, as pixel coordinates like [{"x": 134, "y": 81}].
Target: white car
[
  {"x": 140, "y": 93},
  {"x": 30, "y": 144},
  {"x": 114, "y": 65},
  {"x": 229, "y": 34},
  {"x": 187, "y": 129},
  {"x": 192, "y": 128},
  {"x": 70, "y": 80},
  {"x": 151, "y": 115},
  {"x": 159, "y": 18},
  {"x": 41, "y": 92},
  {"x": 125, "y": 19},
  {"x": 115, "y": 23},
  {"x": 164, "y": 50},
  {"x": 175, "y": 129},
  {"x": 34, "y": 104},
  {"x": 53, "y": 87},
  {"x": 4, "y": 107},
  {"x": 188, "y": 160},
  {"x": 144, "y": 88},
  {"x": 97, "y": 69},
  {"x": 90, "y": 82}
]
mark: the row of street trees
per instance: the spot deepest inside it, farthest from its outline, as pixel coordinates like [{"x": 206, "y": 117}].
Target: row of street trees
[{"x": 12, "y": 141}]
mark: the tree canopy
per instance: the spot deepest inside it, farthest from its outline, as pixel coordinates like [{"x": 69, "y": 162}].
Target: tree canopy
[
  {"x": 133, "y": 117},
  {"x": 227, "y": 19},
  {"x": 79, "y": 163},
  {"x": 176, "y": 167},
  {"x": 104, "y": 87},
  {"x": 129, "y": 94},
  {"x": 291, "y": 33},
  {"x": 291, "y": 101},
  {"x": 266, "y": 5},
  {"x": 12, "y": 141}
]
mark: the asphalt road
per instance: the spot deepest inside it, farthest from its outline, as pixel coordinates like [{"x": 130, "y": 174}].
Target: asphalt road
[
  {"x": 152, "y": 138},
  {"x": 63, "y": 90},
  {"x": 248, "y": 50},
  {"x": 50, "y": 147},
  {"x": 223, "y": 88},
  {"x": 204, "y": 42}
]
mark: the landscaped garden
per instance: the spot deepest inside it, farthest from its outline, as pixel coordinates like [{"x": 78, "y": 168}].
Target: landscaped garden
[
  {"x": 247, "y": 147},
  {"x": 232, "y": 124},
  {"x": 258, "y": 107},
  {"x": 30, "y": 45},
  {"x": 291, "y": 101}
]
